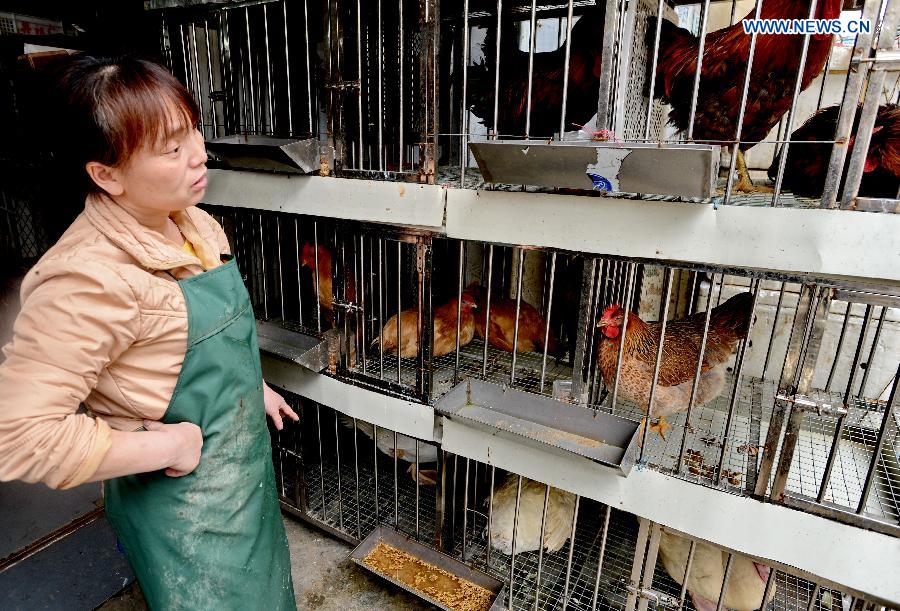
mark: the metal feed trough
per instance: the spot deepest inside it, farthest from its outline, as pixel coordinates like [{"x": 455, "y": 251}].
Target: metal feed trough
[
  {"x": 682, "y": 170},
  {"x": 405, "y": 543},
  {"x": 544, "y": 422},
  {"x": 251, "y": 152}
]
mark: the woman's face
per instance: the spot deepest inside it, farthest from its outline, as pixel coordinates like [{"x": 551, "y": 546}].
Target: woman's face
[{"x": 168, "y": 175}]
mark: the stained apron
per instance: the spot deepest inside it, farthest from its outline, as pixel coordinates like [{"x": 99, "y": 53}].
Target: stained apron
[{"x": 214, "y": 538}]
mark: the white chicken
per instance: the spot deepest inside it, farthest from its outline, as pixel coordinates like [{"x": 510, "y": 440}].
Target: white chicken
[
  {"x": 560, "y": 515},
  {"x": 405, "y": 449},
  {"x": 746, "y": 581}
]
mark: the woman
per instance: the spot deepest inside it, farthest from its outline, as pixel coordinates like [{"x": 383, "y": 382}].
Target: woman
[{"x": 139, "y": 312}]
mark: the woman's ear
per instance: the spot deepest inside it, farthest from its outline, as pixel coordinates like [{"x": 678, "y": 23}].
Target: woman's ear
[{"x": 107, "y": 178}]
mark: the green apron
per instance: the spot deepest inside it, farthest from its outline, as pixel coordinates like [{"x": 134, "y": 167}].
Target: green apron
[{"x": 212, "y": 539}]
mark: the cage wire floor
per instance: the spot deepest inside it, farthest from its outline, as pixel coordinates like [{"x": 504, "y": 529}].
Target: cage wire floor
[
  {"x": 451, "y": 176},
  {"x": 557, "y": 587},
  {"x": 471, "y": 365},
  {"x": 753, "y": 410},
  {"x": 341, "y": 490}
]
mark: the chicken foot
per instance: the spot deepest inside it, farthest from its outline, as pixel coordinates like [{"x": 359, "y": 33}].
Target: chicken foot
[
  {"x": 744, "y": 184},
  {"x": 661, "y": 427},
  {"x": 427, "y": 477}
]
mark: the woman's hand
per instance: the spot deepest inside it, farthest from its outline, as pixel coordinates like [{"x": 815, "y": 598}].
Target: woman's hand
[
  {"x": 277, "y": 407},
  {"x": 186, "y": 440}
]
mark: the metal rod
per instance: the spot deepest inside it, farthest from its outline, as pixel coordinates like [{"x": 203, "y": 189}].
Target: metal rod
[
  {"x": 847, "y": 114},
  {"x": 788, "y": 129},
  {"x": 540, "y": 566},
  {"x": 309, "y": 104},
  {"x": 512, "y": 559},
  {"x": 839, "y": 427},
  {"x": 270, "y": 87},
  {"x": 280, "y": 265},
  {"x": 316, "y": 275},
  {"x": 375, "y": 463},
  {"x": 687, "y": 573},
  {"x": 356, "y": 472},
  {"x": 512, "y": 369},
  {"x": 253, "y": 116},
  {"x": 650, "y": 101},
  {"x": 743, "y": 107},
  {"x": 774, "y": 328},
  {"x": 359, "y": 76},
  {"x": 565, "y": 90},
  {"x": 466, "y": 510},
  {"x": 464, "y": 111},
  {"x": 359, "y": 294},
  {"x": 840, "y": 344},
  {"x": 497, "y": 87},
  {"x": 531, "y": 37},
  {"x": 487, "y": 310},
  {"x": 196, "y": 69},
  {"x": 547, "y": 316},
  {"x": 321, "y": 461},
  {"x": 629, "y": 283},
  {"x": 879, "y": 444},
  {"x": 382, "y": 256},
  {"x": 380, "y": 92},
  {"x": 416, "y": 442},
  {"x": 399, "y": 309},
  {"x": 696, "y": 382},
  {"x": 462, "y": 258},
  {"x": 736, "y": 388},
  {"x": 262, "y": 261},
  {"x": 401, "y": 87},
  {"x": 872, "y": 351},
  {"x": 212, "y": 103},
  {"x": 695, "y": 90},
  {"x": 337, "y": 453},
  {"x": 813, "y": 597},
  {"x": 490, "y": 517},
  {"x": 396, "y": 486},
  {"x": 571, "y": 551},
  {"x": 600, "y": 557},
  {"x": 667, "y": 292},
  {"x": 728, "y": 564}
]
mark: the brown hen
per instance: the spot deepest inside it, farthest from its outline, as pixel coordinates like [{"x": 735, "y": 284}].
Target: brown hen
[
  {"x": 444, "y": 329},
  {"x": 728, "y": 324},
  {"x": 502, "y": 330}
]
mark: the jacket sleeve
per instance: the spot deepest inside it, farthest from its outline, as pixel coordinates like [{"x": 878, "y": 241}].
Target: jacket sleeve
[{"x": 74, "y": 321}]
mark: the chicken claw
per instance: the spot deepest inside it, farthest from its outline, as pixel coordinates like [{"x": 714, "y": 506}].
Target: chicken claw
[
  {"x": 427, "y": 477},
  {"x": 660, "y": 427}
]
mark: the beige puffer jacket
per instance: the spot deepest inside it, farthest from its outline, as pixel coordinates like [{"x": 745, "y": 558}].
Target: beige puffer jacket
[{"x": 103, "y": 322}]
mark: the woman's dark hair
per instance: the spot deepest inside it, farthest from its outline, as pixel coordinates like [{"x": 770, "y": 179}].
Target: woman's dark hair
[{"x": 112, "y": 106}]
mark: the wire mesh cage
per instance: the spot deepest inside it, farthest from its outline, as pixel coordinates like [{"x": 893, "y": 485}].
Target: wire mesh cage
[
  {"x": 748, "y": 361},
  {"x": 553, "y": 549},
  {"x": 401, "y": 89}
]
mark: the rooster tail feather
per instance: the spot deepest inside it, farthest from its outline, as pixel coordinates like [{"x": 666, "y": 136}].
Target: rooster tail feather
[{"x": 670, "y": 37}]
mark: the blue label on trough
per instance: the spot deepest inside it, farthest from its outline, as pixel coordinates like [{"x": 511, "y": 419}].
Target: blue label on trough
[{"x": 600, "y": 183}]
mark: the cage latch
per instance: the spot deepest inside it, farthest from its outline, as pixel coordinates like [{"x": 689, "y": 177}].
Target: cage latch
[
  {"x": 804, "y": 403},
  {"x": 343, "y": 85},
  {"x": 348, "y": 306},
  {"x": 656, "y": 597}
]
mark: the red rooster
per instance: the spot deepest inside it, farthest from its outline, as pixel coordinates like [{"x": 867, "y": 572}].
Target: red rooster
[
  {"x": 776, "y": 62},
  {"x": 728, "y": 324},
  {"x": 310, "y": 257},
  {"x": 547, "y": 80},
  {"x": 807, "y": 164}
]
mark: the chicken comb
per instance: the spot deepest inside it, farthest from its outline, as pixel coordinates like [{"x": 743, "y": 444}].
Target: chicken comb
[{"x": 610, "y": 310}]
